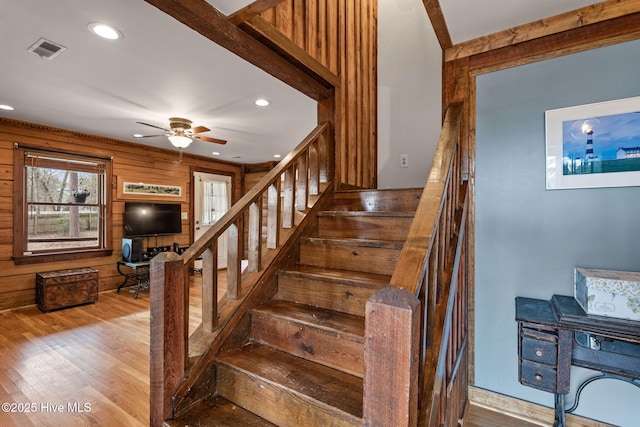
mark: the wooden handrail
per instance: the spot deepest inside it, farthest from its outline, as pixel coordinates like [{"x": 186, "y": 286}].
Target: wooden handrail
[
  {"x": 303, "y": 173},
  {"x": 237, "y": 210},
  {"x": 428, "y": 293},
  {"x": 423, "y": 229}
]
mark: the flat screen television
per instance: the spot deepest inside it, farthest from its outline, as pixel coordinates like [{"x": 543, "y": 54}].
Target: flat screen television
[{"x": 152, "y": 219}]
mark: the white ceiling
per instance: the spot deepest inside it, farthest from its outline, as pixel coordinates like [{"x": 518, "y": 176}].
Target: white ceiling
[{"x": 163, "y": 69}]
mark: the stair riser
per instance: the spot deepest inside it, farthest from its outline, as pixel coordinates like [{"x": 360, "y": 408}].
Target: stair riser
[
  {"x": 379, "y": 260},
  {"x": 380, "y": 228},
  {"x": 277, "y": 405},
  {"x": 339, "y": 351},
  {"x": 377, "y": 200},
  {"x": 326, "y": 294}
]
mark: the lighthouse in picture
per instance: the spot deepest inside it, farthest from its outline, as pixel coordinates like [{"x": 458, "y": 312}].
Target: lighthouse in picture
[{"x": 589, "y": 156}]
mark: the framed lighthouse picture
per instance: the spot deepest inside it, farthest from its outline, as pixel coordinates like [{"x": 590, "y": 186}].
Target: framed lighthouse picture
[{"x": 593, "y": 145}]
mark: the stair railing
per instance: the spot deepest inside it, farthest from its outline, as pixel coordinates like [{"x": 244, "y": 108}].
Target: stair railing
[
  {"x": 288, "y": 191},
  {"x": 415, "y": 329}
]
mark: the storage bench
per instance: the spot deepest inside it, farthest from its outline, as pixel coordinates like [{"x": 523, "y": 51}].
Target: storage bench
[{"x": 66, "y": 288}]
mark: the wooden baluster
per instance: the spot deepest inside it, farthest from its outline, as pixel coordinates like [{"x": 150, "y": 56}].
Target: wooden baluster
[
  {"x": 314, "y": 170},
  {"x": 273, "y": 215},
  {"x": 302, "y": 187},
  {"x": 168, "y": 339},
  {"x": 234, "y": 261},
  {"x": 288, "y": 202},
  {"x": 210, "y": 288},
  {"x": 322, "y": 157},
  {"x": 255, "y": 231},
  {"x": 392, "y": 328},
  {"x": 432, "y": 289}
]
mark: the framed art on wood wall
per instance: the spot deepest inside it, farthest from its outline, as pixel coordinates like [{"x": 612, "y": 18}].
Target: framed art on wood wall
[
  {"x": 129, "y": 189},
  {"x": 593, "y": 145}
]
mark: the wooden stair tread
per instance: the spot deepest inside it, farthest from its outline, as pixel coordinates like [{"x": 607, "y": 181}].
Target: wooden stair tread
[
  {"x": 218, "y": 412},
  {"x": 365, "y": 243},
  {"x": 349, "y": 277},
  {"x": 316, "y": 317},
  {"x": 398, "y": 214},
  {"x": 377, "y": 200},
  {"x": 324, "y": 385}
]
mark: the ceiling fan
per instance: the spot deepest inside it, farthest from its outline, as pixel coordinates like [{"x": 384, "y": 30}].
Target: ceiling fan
[{"x": 181, "y": 134}]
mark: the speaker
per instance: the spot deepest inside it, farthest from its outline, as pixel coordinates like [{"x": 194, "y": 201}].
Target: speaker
[{"x": 132, "y": 249}]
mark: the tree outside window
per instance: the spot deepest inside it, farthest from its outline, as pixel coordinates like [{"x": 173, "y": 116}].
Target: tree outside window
[{"x": 65, "y": 204}]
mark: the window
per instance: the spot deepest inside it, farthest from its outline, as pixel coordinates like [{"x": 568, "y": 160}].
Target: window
[{"x": 62, "y": 206}]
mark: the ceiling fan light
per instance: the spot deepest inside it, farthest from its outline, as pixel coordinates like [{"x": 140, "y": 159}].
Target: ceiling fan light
[{"x": 180, "y": 141}]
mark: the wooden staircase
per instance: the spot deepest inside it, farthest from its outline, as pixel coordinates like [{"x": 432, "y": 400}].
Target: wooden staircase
[{"x": 301, "y": 363}]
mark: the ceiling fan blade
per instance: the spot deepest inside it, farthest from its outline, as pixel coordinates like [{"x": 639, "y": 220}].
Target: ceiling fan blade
[
  {"x": 214, "y": 140},
  {"x": 153, "y": 126},
  {"x": 150, "y": 136},
  {"x": 199, "y": 129}
]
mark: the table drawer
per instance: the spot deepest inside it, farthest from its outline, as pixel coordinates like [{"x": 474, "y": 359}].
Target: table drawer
[
  {"x": 539, "y": 346},
  {"x": 539, "y": 351},
  {"x": 538, "y": 375}
]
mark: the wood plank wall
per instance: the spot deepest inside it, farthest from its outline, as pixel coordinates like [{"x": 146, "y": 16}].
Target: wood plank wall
[
  {"x": 342, "y": 36},
  {"x": 132, "y": 162}
]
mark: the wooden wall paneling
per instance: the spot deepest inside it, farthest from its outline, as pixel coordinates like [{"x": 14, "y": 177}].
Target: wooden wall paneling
[
  {"x": 342, "y": 36},
  {"x": 283, "y": 14},
  {"x": 332, "y": 37},
  {"x": 322, "y": 32},
  {"x": 299, "y": 22},
  {"x": 312, "y": 28},
  {"x": 17, "y": 283}
]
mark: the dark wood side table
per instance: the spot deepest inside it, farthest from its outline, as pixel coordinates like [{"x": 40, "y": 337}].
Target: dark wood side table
[
  {"x": 557, "y": 334},
  {"x": 137, "y": 274}
]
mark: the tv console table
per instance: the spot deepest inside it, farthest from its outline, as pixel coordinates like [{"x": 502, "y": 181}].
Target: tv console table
[
  {"x": 137, "y": 272},
  {"x": 557, "y": 334}
]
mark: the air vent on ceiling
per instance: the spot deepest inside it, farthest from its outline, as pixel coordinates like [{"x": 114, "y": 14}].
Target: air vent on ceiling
[{"x": 46, "y": 49}]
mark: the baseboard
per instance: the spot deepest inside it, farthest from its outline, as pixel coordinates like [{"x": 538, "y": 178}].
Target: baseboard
[{"x": 523, "y": 410}]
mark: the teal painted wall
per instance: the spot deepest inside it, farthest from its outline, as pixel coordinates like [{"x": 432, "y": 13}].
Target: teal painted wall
[{"x": 528, "y": 240}]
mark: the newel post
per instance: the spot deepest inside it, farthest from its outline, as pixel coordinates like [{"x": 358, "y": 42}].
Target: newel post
[
  {"x": 168, "y": 334},
  {"x": 391, "y": 353}
]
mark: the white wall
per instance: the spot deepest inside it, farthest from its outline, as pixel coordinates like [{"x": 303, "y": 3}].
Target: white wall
[{"x": 409, "y": 93}]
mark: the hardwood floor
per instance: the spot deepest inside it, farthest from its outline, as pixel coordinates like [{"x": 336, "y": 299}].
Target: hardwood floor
[{"x": 87, "y": 365}]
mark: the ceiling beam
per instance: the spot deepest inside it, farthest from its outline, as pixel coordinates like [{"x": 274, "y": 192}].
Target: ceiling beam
[
  {"x": 589, "y": 15},
  {"x": 261, "y": 29},
  {"x": 200, "y": 16},
  {"x": 438, "y": 23},
  {"x": 251, "y": 10},
  {"x": 605, "y": 33}
]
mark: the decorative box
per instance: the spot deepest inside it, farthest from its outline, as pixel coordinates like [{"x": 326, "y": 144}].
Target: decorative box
[
  {"x": 608, "y": 293},
  {"x": 66, "y": 288}
]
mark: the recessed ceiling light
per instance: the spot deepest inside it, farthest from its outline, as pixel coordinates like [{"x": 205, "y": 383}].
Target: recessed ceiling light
[
  {"x": 215, "y": 153},
  {"x": 262, "y": 102},
  {"x": 105, "y": 31},
  {"x": 277, "y": 156},
  {"x": 6, "y": 107},
  {"x": 137, "y": 135}
]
